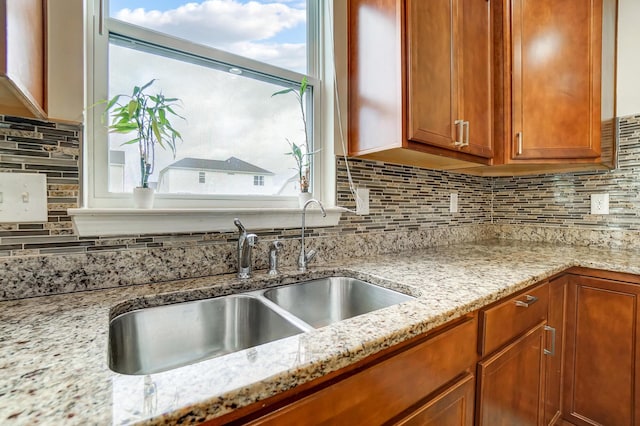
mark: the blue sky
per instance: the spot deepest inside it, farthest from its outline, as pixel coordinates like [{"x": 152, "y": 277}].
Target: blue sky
[{"x": 292, "y": 35}]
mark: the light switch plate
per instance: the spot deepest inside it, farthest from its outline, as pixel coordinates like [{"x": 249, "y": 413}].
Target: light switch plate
[
  {"x": 599, "y": 203},
  {"x": 23, "y": 197}
]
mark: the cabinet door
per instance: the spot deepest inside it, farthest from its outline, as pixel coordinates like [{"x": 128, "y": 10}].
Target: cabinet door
[
  {"x": 449, "y": 87},
  {"x": 511, "y": 383},
  {"x": 432, "y": 86},
  {"x": 601, "y": 382},
  {"x": 22, "y": 53},
  {"x": 475, "y": 54},
  {"x": 557, "y": 314},
  {"x": 556, "y": 71},
  {"x": 452, "y": 407}
]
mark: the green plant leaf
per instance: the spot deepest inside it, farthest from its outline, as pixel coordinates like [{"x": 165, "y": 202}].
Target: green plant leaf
[
  {"x": 132, "y": 108},
  {"x": 282, "y": 92},
  {"x": 147, "y": 85},
  {"x": 112, "y": 102},
  {"x": 303, "y": 86}
]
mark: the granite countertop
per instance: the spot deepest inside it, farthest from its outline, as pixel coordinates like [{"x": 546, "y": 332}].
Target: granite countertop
[{"x": 53, "y": 349}]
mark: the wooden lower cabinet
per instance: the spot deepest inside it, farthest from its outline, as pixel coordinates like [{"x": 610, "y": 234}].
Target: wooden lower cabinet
[
  {"x": 563, "y": 352},
  {"x": 555, "y": 341},
  {"x": 388, "y": 389},
  {"x": 511, "y": 382},
  {"x": 602, "y": 384},
  {"x": 452, "y": 407}
]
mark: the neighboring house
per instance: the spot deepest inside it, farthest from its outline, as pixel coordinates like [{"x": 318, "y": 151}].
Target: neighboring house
[
  {"x": 290, "y": 186},
  {"x": 116, "y": 171},
  {"x": 200, "y": 176}
]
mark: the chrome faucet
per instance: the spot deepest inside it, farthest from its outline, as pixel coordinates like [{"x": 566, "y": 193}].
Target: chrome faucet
[
  {"x": 245, "y": 243},
  {"x": 305, "y": 258}
]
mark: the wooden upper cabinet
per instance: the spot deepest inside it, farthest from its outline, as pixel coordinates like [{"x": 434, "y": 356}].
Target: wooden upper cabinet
[
  {"x": 449, "y": 54},
  {"x": 559, "y": 58},
  {"x": 416, "y": 68},
  {"x": 22, "y": 58}
]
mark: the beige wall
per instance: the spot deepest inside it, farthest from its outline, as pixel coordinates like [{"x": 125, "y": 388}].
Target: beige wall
[
  {"x": 65, "y": 67},
  {"x": 628, "y": 57}
]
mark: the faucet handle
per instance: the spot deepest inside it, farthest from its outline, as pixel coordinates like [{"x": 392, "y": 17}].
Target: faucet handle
[
  {"x": 310, "y": 255},
  {"x": 275, "y": 245}
]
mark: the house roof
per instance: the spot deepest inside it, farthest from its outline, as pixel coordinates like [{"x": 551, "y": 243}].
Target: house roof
[{"x": 231, "y": 164}]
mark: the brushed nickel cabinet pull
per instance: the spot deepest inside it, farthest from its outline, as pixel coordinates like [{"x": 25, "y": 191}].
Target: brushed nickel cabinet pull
[
  {"x": 459, "y": 132},
  {"x": 551, "y": 352},
  {"x": 466, "y": 134},
  {"x": 529, "y": 300},
  {"x": 519, "y": 143}
]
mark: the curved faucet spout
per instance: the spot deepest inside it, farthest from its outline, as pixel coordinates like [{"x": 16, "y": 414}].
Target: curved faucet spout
[
  {"x": 311, "y": 201},
  {"x": 304, "y": 257}
]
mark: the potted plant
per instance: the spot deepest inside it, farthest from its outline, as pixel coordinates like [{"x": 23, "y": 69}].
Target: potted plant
[
  {"x": 301, "y": 153},
  {"x": 147, "y": 116}
]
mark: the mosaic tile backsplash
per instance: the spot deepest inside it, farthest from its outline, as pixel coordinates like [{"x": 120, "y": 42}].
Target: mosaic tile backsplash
[
  {"x": 409, "y": 209},
  {"x": 563, "y": 200}
]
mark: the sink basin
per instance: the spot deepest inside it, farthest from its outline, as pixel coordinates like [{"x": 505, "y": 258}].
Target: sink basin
[
  {"x": 328, "y": 300},
  {"x": 156, "y": 339}
]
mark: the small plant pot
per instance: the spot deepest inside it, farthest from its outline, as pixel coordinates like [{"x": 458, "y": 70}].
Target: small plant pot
[
  {"x": 303, "y": 197},
  {"x": 143, "y": 198}
]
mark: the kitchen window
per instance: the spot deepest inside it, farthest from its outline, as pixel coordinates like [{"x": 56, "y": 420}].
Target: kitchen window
[{"x": 223, "y": 59}]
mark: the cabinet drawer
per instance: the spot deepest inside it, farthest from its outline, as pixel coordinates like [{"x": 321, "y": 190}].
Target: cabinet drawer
[
  {"x": 386, "y": 389},
  {"x": 512, "y": 317}
]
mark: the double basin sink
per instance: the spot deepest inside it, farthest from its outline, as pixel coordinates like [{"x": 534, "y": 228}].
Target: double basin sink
[{"x": 156, "y": 339}]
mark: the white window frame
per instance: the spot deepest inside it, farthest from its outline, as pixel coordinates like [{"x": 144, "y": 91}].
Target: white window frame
[{"x": 97, "y": 195}]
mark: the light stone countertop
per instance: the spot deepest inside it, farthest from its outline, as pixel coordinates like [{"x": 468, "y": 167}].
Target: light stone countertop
[{"x": 53, "y": 349}]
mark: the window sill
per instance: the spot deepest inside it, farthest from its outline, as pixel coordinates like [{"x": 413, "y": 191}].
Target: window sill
[{"x": 112, "y": 221}]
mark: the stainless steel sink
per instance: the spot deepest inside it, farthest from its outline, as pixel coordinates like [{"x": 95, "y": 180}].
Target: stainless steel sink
[
  {"x": 328, "y": 300},
  {"x": 157, "y": 339}
]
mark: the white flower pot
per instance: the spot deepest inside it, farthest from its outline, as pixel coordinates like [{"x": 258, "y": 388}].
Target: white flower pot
[
  {"x": 303, "y": 197},
  {"x": 143, "y": 198}
]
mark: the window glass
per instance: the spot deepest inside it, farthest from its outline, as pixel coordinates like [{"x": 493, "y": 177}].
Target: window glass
[
  {"x": 274, "y": 32},
  {"x": 235, "y": 134}
]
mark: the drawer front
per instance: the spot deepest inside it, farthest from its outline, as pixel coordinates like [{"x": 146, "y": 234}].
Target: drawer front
[
  {"x": 507, "y": 320},
  {"x": 386, "y": 389}
]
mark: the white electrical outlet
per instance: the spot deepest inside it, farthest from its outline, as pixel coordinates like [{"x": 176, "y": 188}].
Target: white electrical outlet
[
  {"x": 599, "y": 203},
  {"x": 453, "y": 202},
  {"x": 362, "y": 201}
]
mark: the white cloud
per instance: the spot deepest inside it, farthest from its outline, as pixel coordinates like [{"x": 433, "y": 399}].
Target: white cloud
[
  {"x": 218, "y": 22},
  {"x": 227, "y": 115},
  {"x": 286, "y": 55}
]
